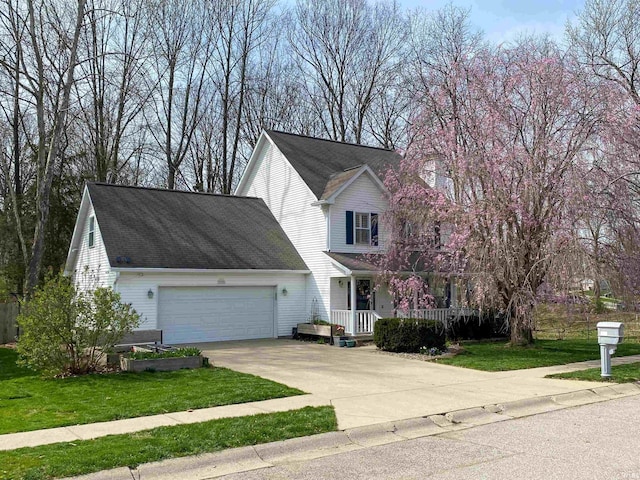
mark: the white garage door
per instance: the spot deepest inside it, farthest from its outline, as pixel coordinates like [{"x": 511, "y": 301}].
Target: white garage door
[{"x": 206, "y": 314}]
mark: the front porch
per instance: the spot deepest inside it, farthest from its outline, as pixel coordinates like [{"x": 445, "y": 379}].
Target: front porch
[
  {"x": 366, "y": 319},
  {"x": 355, "y": 286}
]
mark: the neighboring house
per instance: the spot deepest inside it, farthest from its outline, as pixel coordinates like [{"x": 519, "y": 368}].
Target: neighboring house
[
  {"x": 201, "y": 267},
  {"x": 329, "y": 198},
  {"x": 288, "y": 248}
]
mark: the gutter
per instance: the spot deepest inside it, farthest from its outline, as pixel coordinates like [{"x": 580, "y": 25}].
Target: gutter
[{"x": 202, "y": 270}]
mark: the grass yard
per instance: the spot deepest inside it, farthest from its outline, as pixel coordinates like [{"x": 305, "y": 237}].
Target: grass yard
[
  {"x": 29, "y": 402},
  {"x": 619, "y": 374},
  {"x": 80, "y": 457},
  {"x": 499, "y": 356},
  {"x": 559, "y": 322}
]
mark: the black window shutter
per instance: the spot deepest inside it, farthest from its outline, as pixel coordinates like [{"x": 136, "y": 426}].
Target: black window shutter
[
  {"x": 374, "y": 229},
  {"x": 349, "y": 227}
]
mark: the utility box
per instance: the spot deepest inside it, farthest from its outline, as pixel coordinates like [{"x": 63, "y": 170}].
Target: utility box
[{"x": 610, "y": 335}]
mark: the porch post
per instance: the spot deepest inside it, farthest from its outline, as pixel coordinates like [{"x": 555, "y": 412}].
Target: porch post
[
  {"x": 454, "y": 293},
  {"x": 354, "y": 312}
]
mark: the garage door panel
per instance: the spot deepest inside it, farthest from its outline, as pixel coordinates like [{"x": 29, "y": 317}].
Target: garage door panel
[{"x": 203, "y": 314}]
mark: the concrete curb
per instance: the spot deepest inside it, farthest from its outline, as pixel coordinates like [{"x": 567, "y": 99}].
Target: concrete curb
[{"x": 305, "y": 448}]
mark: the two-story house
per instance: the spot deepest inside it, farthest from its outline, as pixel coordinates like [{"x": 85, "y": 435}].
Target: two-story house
[
  {"x": 287, "y": 248},
  {"x": 329, "y": 199}
]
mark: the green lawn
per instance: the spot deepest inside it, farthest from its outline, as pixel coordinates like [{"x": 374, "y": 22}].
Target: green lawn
[
  {"x": 80, "y": 457},
  {"x": 29, "y": 402},
  {"x": 498, "y": 356},
  {"x": 619, "y": 374}
]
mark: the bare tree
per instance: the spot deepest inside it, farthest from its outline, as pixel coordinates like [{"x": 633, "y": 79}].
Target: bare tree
[
  {"x": 181, "y": 49},
  {"x": 112, "y": 93},
  {"x": 606, "y": 39},
  {"x": 47, "y": 52},
  {"x": 346, "y": 52}
]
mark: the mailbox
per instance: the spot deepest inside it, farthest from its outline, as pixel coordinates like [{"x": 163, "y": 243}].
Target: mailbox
[{"x": 610, "y": 333}]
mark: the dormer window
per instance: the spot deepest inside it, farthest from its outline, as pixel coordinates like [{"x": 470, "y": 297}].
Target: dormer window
[
  {"x": 92, "y": 232},
  {"x": 362, "y": 228}
]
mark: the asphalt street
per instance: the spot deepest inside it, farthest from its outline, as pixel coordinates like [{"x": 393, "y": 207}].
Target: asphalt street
[{"x": 597, "y": 441}]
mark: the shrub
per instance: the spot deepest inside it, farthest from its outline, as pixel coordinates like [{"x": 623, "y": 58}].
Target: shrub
[
  {"x": 408, "y": 335},
  {"x": 65, "y": 331},
  {"x": 477, "y": 328}
]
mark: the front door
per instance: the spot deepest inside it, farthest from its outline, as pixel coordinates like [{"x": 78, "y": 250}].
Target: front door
[{"x": 365, "y": 297}]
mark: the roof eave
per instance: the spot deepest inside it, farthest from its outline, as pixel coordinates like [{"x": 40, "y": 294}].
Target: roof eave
[
  {"x": 205, "y": 270},
  {"x": 251, "y": 163},
  {"x": 77, "y": 234}
]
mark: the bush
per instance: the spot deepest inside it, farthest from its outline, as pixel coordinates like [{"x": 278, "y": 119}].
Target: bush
[
  {"x": 476, "y": 328},
  {"x": 408, "y": 335},
  {"x": 65, "y": 331}
]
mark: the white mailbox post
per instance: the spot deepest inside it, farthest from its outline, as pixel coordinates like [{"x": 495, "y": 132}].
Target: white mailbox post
[{"x": 610, "y": 334}]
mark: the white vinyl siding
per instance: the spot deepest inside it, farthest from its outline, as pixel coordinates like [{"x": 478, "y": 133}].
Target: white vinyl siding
[
  {"x": 363, "y": 196},
  {"x": 289, "y": 309},
  {"x": 91, "y": 268},
  {"x": 273, "y": 179},
  {"x": 208, "y": 314}
]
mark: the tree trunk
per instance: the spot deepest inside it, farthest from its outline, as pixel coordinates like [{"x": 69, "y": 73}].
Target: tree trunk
[
  {"x": 521, "y": 325},
  {"x": 47, "y": 161}
]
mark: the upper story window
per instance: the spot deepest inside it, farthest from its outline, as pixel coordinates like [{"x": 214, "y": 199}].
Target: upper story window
[
  {"x": 362, "y": 228},
  {"x": 92, "y": 231}
]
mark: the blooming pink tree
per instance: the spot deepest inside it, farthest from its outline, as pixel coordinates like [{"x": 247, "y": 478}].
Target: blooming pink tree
[{"x": 493, "y": 184}]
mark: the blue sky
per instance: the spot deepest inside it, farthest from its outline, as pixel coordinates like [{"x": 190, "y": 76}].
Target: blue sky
[{"x": 505, "y": 19}]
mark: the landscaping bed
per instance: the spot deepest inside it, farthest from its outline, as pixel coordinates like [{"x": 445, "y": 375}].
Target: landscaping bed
[
  {"x": 30, "y": 402},
  {"x": 166, "y": 360},
  {"x": 86, "y": 456}
]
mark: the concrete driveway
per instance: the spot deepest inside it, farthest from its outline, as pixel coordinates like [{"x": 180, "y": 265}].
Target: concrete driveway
[{"x": 367, "y": 387}]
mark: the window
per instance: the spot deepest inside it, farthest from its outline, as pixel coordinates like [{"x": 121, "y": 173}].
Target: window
[
  {"x": 363, "y": 229},
  {"x": 92, "y": 231}
]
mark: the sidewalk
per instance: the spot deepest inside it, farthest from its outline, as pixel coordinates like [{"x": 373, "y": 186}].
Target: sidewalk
[
  {"x": 419, "y": 402},
  {"x": 294, "y": 454},
  {"x": 130, "y": 425}
]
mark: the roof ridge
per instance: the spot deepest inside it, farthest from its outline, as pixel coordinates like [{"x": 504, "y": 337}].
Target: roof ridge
[
  {"x": 158, "y": 189},
  {"x": 331, "y": 141}
]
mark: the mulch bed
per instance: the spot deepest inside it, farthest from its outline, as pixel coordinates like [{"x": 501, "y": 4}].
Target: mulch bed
[{"x": 452, "y": 351}]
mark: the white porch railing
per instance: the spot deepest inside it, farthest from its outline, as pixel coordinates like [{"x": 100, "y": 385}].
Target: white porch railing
[
  {"x": 442, "y": 315},
  {"x": 365, "y": 320},
  {"x": 341, "y": 317}
]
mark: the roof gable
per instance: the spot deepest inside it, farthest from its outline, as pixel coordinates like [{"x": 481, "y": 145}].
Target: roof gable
[
  {"x": 340, "y": 182},
  {"x": 319, "y": 161},
  {"x": 154, "y": 228}
]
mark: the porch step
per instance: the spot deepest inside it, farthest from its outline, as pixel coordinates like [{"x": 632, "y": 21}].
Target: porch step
[{"x": 363, "y": 339}]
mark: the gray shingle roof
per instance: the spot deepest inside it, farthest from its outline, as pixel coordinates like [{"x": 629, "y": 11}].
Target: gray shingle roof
[
  {"x": 355, "y": 261},
  {"x": 172, "y": 229},
  {"x": 316, "y": 160}
]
